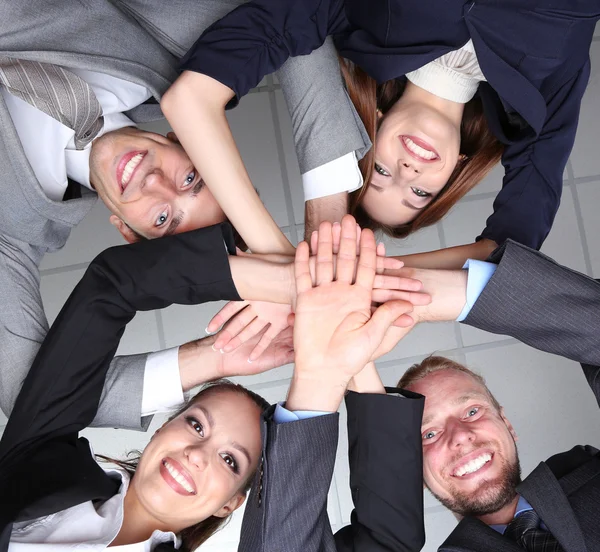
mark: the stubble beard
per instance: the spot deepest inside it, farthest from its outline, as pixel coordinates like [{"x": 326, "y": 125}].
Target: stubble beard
[{"x": 490, "y": 496}]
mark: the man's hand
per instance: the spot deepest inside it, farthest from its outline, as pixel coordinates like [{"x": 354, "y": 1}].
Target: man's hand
[{"x": 335, "y": 332}]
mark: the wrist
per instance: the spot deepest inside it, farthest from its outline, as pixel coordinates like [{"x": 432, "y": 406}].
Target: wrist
[
  {"x": 318, "y": 393},
  {"x": 199, "y": 363}
]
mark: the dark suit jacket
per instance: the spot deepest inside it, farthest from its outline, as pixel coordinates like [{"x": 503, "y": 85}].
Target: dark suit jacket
[
  {"x": 44, "y": 466},
  {"x": 287, "y": 508},
  {"x": 533, "y": 53},
  {"x": 562, "y": 317}
]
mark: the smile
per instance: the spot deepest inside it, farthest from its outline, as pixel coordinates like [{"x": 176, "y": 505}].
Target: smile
[
  {"x": 177, "y": 477},
  {"x": 127, "y": 166},
  {"x": 473, "y": 466},
  {"x": 419, "y": 149}
]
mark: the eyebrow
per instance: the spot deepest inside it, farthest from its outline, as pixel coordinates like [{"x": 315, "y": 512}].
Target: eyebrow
[
  {"x": 410, "y": 205},
  {"x": 207, "y": 415},
  {"x": 456, "y": 402},
  {"x": 243, "y": 450},
  {"x": 175, "y": 222}
]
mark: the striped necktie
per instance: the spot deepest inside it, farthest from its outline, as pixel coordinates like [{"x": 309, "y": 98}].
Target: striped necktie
[
  {"x": 57, "y": 92},
  {"x": 524, "y": 529}
]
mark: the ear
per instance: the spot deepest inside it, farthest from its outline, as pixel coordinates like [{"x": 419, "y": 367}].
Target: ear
[
  {"x": 126, "y": 232},
  {"x": 231, "y": 506},
  {"x": 173, "y": 137},
  {"x": 379, "y": 114},
  {"x": 462, "y": 157},
  {"x": 508, "y": 425}
]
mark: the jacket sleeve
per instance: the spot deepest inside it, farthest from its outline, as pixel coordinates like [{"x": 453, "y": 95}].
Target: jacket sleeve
[
  {"x": 60, "y": 395},
  {"x": 525, "y": 207},
  {"x": 543, "y": 304},
  {"x": 386, "y": 473},
  {"x": 256, "y": 38},
  {"x": 23, "y": 327},
  {"x": 287, "y": 506},
  {"x": 325, "y": 123}
]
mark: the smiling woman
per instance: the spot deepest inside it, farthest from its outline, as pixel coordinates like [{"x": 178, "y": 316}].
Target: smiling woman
[{"x": 213, "y": 433}]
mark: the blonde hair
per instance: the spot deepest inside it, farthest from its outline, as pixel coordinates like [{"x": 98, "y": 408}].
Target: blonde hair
[{"x": 433, "y": 364}]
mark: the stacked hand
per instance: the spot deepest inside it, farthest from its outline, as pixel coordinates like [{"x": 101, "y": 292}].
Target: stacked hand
[
  {"x": 336, "y": 332},
  {"x": 245, "y": 319}
]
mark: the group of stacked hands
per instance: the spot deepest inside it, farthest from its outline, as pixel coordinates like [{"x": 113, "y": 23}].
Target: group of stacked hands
[{"x": 333, "y": 306}]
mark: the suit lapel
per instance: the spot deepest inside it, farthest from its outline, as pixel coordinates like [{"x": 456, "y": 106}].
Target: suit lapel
[{"x": 543, "y": 491}]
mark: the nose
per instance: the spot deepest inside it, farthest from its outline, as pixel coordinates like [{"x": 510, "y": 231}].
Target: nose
[
  {"x": 197, "y": 457},
  {"x": 461, "y": 434},
  {"x": 155, "y": 181},
  {"x": 408, "y": 170}
]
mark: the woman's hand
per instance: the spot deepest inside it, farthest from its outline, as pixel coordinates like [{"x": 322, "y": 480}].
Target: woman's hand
[{"x": 246, "y": 319}]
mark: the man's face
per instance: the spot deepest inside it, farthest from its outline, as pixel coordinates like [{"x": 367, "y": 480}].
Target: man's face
[
  {"x": 470, "y": 460},
  {"x": 150, "y": 185}
]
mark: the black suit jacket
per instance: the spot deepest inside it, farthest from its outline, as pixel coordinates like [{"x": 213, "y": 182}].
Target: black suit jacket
[
  {"x": 44, "y": 466},
  {"x": 287, "y": 507},
  {"x": 562, "y": 317}
]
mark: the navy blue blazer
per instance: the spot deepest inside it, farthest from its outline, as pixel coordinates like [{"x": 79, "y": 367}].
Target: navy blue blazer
[{"x": 533, "y": 53}]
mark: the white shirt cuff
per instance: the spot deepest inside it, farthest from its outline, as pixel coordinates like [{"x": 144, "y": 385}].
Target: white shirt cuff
[
  {"x": 282, "y": 415},
  {"x": 162, "y": 383},
  {"x": 339, "y": 175},
  {"x": 480, "y": 274}
]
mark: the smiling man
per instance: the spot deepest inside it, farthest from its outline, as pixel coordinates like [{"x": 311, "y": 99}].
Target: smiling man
[
  {"x": 470, "y": 457},
  {"x": 75, "y": 81}
]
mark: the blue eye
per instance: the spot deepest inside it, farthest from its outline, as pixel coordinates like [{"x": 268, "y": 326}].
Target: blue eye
[
  {"x": 381, "y": 171},
  {"x": 429, "y": 435},
  {"x": 189, "y": 179},
  {"x": 162, "y": 218},
  {"x": 472, "y": 412},
  {"x": 420, "y": 193}
]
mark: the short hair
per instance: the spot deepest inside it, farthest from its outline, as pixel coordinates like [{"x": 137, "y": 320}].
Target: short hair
[{"x": 433, "y": 364}]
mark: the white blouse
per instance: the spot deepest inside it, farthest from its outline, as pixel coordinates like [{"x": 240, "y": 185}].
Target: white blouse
[
  {"x": 89, "y": 526},
  {"x": 455, "y": 76}
]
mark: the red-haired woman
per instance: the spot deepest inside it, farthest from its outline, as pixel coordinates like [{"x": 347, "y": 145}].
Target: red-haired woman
[{"x": 445, "y": 89}]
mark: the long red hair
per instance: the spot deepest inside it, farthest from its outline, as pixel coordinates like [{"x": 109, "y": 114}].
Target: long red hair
[{"x": 479, "y": 146}]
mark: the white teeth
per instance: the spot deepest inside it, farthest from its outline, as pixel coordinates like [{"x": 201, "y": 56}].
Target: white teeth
[
  {"x": 418, "y": 150},
  {"x": 473, "y": 465},
  {"x": 130, "y": 167},
  {"x": 179, "y": 478}
]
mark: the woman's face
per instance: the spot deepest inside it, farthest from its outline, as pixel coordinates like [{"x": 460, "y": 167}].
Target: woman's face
[
  {"x": 417, "y": 149},
  {"x": 196, "y": 465}
]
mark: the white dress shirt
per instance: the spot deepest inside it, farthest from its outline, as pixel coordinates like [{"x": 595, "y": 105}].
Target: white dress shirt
[
  {"x": 455, "y": 76},
  {"x": 339, "y": 175},
  {"x": 87, "y": 526},
  {"x": 50, "y": 149}
]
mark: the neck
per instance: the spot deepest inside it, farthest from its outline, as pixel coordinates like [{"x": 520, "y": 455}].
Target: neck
[
  {"x": 138, "y": 524},
  {"x": 503, "y": 516},
  {"x": 417, "y": 95}
]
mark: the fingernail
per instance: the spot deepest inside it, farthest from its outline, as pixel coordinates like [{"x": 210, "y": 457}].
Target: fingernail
[
  {"x": 250, "y": 361},
  {"x": 336, "y": 223},
  {"x": 221, "y": 351},
  {"x": 213, "y": 347},
  {"x": 206, "y": 330}
]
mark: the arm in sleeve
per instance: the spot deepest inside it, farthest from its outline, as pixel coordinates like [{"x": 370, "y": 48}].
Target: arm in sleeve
[
  {"x": 541, "y": 303},
  {"x": 386, "y": 473},
  {"x": 23, "y": 327},
  {"x": 325, "y": 123},
  {"x": 287, "y": 507},
  {"x": 257, "y": 38},
  {"x": 60, "y": 394},
  {"x": 525, "y": 208}
]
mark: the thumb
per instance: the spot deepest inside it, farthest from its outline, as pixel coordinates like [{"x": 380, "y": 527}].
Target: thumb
[{"x": 384, "y": 317}]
